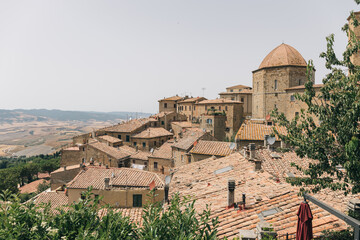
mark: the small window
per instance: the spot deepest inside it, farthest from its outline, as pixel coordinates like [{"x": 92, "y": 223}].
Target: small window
[
  {"x": 165, "y": 105},
  {"x": 155, "y": 165},
  {"x": 212, "y": 108},
  {"x": 276, "y": 94},
  {"x": 299, "y": 81},
  {"x": 231, "y": 90},
  {"x": 155, "y": 143},
  {"x": 275, "y": 106},
  {"x": 194, "y": 108},
  {"x": 162, "y": 123},
  {"x": 144, "y": 144},
  {"x": 174, "y": 105},
  {"x": 242, "y": 99},
  {"x": 119, "y": 136},
  {"x": 232, "y": 98},
  {"x": 137, "y": 200},
  {"x": 133, "y": 161},
  {"x": 189, "y": 108},
  {"x": 205, "y": 107},
  {"x": 83, "y": 149},
  {"x": 189, "y": 159},
  {"x": 220, "y": 108},
  {"x": 276, "y": 84},
  {"x": 292, "y": 98},
  {"x": 225, "y": 108},
  {"x": 185, "y": 108},
  {"x": 127, "y": 138},
  {"x": 135, "y": 143},
  {"x": 83, "y": 160}
]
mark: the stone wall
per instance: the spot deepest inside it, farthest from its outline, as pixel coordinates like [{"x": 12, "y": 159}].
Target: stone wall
[
  {"x": 149, "y": 142},
  {"x": 72, "y": 157},
  {"x": 62, "y": 177},
  {"x": 163, "y": 165}
]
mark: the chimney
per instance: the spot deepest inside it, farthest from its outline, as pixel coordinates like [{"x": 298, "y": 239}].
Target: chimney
[
  {"x": 244, "y": 152},
  {"x": 243, "y": 199},
  {"x": 107, "y": 183},
  {"x": 257, "y": 165},
  {"x": 231, "y": 192},
  {"x": 265, "y": 138},
  {"x": 252, "y": 151}
]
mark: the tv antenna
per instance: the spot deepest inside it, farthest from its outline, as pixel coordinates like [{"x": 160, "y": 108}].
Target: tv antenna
[{"x": 203, "y": 91}]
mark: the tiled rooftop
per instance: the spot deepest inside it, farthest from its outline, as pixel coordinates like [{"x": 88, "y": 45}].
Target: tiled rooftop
[
  {"x": 57, "y": 199},
  {"x": 257, "y": 131},
  {"x": 173, "y": 98},
  {"x": 263, "y": 192},
  {"x": 188, "y": 139},
  {"x": 219, "y": 101},
  {"x": 142, "y": 155},
  {"x": 129, "y": 126},
  {"x": 161, "y": 114},
  {"x": 193, "y": 100},
  {"x": 110, "y": 139},
  {"x": 215, "y": 148},
  {"x": 153, "y": 133},
  {"x": 165, "y": 151},
  {"x": 74, "y": 148},
  {"x": 113, "y": 152},
  {"x": 183, "y": 124},
  {"x": 33, "y": 186},
  {"x": 238, "y": 87},
  {"x": 119, "y": 177}
]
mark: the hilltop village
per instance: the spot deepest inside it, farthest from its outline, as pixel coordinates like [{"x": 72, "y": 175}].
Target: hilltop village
[{"x": 220, "y": 151}]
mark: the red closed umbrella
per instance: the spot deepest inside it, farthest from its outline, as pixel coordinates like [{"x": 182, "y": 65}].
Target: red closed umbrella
[{"x": 304, "y": 225}]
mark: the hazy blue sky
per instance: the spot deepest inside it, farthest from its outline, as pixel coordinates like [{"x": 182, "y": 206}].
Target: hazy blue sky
[{"x": 125, "y": 55}]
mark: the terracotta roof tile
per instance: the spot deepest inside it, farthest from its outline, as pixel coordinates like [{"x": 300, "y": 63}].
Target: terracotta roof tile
[
  {"x": 153, "y": 133},
  {"x": 142, "y": 155},
  {"x": 110, "y": 139},
  {"x": 33, "y": 186},
  {"x": 173, "y": 98},
  {"x": 183, "y": 124},
  {"x": 219, "y": 101},
  {"x": 212, "y": 148},
  {"x": 57, "y": 199},
  {"x": 200, "y": 181},
  {"x": 303, "y": 87},
  {"x": 119, "y": 177},
  {"x": 188, "y": 139},
  {"x": 238, "y": 87},
  {"x": 111, "y": 151},
  {"x": 128, "y": 126},
  {"x": 257, "y": 131},
  {"x": 165, "y": 151},
  {"x": 193, "y": 100},
  {"x": 161, "y": 114}
]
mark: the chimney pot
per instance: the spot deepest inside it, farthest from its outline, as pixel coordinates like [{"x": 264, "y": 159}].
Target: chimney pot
[
  {"x": 252, "y": 151},
  {"x": 231, "y": 192},
  {"x": 257, "y": 165},
  {"x": 107, "y": 183}
]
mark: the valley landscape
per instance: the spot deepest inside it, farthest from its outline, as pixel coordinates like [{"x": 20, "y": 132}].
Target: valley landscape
[{"x": 40, "y": 131}]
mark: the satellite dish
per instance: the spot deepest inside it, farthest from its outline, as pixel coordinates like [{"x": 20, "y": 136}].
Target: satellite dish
[
  {"x": 151, "y": 150},
  {"x": 167, "y": 180},
  {"x": 232, "y": 146},
  {"x": 270, "y": 140},
  {"x": 268, "y": 117}
]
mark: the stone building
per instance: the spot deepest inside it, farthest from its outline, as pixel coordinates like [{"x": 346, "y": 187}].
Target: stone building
[
  {"x": 233, "y": 110},
  {"x": 215, "y": 124},
  {"x": 119, "y": 187},
  {"x": 255, "y": 132},
  {"x": 355, "y": 58},
  {"x": 179, "y": 127},
  {"x": 161, "y": 159},
  {"x": 73, "y": 155},
  {"x": 125, "y": 130},
  {"x": 182, "y": 146},
  {"x": 102, "y": 153},
  {"x": 111, "y": 141},
  {"x": 283, "y": 68},
  {"x": 64, "y": 175},
  {"x": 164, "y": 119},
  {"x": 205, "y": 149},
  {"x": 151, "y": 138},
  {"x": 240, "y": 93},
  {"x": 188, "y": 108},
  {"x": 169, "y": 104}
]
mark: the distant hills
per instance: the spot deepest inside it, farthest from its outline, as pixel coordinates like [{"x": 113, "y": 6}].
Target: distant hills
[{"x": 27, "y": 115}]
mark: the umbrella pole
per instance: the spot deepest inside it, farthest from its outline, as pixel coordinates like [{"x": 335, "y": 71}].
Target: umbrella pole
[{"x": 349, "y": 220}]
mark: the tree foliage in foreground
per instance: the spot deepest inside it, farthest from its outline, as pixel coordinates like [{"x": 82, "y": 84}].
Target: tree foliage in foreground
[
  {"x": 83, "y": 220},
  {"x": 334, "y": 140}
]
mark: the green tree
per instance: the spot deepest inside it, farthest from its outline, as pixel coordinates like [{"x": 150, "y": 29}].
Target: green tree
[{"x": 334, "y": 139}]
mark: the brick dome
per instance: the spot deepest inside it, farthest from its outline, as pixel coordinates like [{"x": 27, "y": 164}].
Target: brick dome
[{"x": 283, "y": 55}]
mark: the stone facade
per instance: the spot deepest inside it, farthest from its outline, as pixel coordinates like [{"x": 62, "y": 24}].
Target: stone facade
[
  {"x": 239, "y": 93},
  {"x": 73, "y": 155},
  {"x": 149, "y": 143},
  {"x": 232, "y": 109},
  {"x": 169, "y": 104},
  {"x": 160, "y": 165},
  {"x": 215, "y": 125},
  {"x": 189, "y": 109},
  {"x": 63, "y": 175},
  {"x": 96, "y": 155},
  {"x": 355, "y": 58}
]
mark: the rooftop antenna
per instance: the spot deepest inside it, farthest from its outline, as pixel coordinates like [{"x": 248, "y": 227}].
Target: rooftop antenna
[{"x": 203, "y": 90}]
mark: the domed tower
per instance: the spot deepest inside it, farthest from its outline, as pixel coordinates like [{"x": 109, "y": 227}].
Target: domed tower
[{"x": 282, "y": 68}]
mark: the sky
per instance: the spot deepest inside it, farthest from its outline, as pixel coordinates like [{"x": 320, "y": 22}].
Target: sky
[{"x": 114, "y": 55}]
